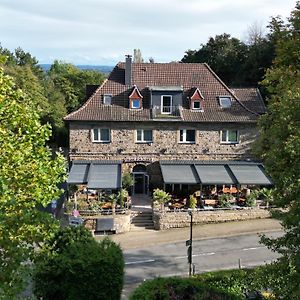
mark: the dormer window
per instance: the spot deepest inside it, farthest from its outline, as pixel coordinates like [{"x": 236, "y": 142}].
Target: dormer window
[
  {"x": 225, "y": 101},
  {"x": 135, "y": 103},
  {"x": 197, "y": 100},
  {"x": 107, "y": 99},
  {"x": 197, "y": 105},
  {"x": 135, "y": 99}
]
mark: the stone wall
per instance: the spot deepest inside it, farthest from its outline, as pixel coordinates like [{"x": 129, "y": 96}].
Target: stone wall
[
  {"x": 166, "y": 220},
  {"x": 121, "y": 223},
  {"x": 165, "y": 143}
]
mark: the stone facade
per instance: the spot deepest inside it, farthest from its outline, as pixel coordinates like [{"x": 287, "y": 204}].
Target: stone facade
[
  {"x": 121, "y": 223},
  {"x": 167, "y": 220},
  {"x": 165, "y": 145}
]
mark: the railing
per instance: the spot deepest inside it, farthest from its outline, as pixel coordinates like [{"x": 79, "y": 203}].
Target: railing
[
  {"x": 211, "y": 208},
  {"x": 166, "y": 112},
  {"x": 101, "y": 212}
]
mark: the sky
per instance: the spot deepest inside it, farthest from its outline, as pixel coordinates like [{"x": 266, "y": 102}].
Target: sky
[{"x": 102, "y": 32}]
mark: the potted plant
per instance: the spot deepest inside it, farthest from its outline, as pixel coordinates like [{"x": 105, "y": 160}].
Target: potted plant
[
  {"x": 161, "y": 197},
  {"x": 127, "y": 182},
  {"x": 192, "y": 202}
]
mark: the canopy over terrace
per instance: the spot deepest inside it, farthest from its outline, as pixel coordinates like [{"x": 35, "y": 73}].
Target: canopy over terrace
[
  {"x": 96, "y": 174},
  {"x": 214, "y": 173}
]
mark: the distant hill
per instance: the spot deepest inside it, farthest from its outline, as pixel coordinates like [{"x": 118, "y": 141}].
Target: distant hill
[{"x": 102, "y": 69}]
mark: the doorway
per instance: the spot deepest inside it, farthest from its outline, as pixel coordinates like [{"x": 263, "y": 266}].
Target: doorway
[{"x": 141, "y": 180}]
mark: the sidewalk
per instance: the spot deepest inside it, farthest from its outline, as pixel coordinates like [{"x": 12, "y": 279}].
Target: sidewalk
[{"x": 146, "y": 238}]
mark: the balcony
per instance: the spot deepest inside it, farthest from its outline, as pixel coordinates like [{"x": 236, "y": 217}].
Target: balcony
[{"x": 166, "y": 112}]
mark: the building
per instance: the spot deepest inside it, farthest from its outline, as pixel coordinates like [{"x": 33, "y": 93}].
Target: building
[{"x": 149, "y": 116}]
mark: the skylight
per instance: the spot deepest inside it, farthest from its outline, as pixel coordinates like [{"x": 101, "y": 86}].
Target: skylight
[{"x": 225, "y": 101}]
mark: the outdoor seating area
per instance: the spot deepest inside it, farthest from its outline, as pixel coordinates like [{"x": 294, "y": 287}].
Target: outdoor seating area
[
  {"x": 84, "y": 202},
  {"x": 218, "y": 197}
]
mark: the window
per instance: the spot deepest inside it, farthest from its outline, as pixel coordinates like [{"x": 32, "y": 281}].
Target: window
[
  {"x": 225, "y": 101},
  {"x": 135, "y": 103},
  {"x": 229, "y": 136},
  {"x": 187, "y": 136},
  {"x": 101, "y": 135},
  {"x": 166, "y": 104},
  {"x": 107, "y": 99},
  {"x": 197, "y": 105},
  {"x": 144, "y": 136}
]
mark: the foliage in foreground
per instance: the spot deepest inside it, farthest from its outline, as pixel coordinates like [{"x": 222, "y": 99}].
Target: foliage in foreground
[
  {"x": 180, "y": 289},
  {"x": 29, "y": 177},
  {"x": 225, "y": 284},
  {"x": 279, "y": 146},
  {"x": 74, "y": 266}
]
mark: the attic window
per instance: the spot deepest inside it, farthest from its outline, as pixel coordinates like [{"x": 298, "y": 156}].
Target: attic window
[
  {"x": 135, "y": 99},
  {"x": 107, "y": 99},
  {"x": 225, "y": 101},
  {"x": 135, "y": 103},
  {"x": 197, "y": 100},
  {"x": 197, "y": 105}
]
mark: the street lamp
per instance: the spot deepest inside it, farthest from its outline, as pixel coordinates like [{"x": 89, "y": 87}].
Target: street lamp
[{"x": 189, "y": 243}]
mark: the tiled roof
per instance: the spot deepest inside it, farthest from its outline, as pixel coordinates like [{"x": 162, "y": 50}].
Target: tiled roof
[{"x": 247, "y": 104}]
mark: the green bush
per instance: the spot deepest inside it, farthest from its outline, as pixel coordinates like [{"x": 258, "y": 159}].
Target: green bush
[
  {"x": 74, "y": 266},
  {"x": 179, "y": 289}
]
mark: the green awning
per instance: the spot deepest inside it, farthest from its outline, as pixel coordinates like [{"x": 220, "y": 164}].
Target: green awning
[
  {"x": 250, "y": 174},
  {"x": 214, "y": 174},
  {"x": 179, "y": 174}
]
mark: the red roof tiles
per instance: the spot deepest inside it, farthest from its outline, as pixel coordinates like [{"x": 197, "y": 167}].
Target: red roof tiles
[{"x": 247, "y": 104}]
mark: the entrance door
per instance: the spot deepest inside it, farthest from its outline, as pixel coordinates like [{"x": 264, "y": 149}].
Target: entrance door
[{"x": 139, "y": 183}]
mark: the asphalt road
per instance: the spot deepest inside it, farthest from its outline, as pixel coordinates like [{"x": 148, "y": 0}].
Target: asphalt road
[{"x": 210, "y": 254}]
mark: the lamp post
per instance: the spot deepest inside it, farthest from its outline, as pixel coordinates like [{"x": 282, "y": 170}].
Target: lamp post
[{"x": 189, "y": 243}]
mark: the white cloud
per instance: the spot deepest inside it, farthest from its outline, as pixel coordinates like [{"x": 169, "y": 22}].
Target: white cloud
[{"x": 102, "y": 31}]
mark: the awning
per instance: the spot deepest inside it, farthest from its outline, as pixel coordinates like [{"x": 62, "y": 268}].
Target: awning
[
  {"x": 214, "y": 174},
  {"x": 96, "y": 174},
  {"x": 104, "y": 176},
  {"x": 78, "y": 173},
  {"x": 250, "y": 174},
  {"x": 178, "y": 174}
]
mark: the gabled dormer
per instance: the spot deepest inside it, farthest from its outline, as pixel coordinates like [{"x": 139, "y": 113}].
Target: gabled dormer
[
  {"x": 197, "y": 100},
  {"x": 135, "y": 99}
]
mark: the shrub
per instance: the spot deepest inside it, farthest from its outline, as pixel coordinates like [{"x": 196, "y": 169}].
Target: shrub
[
  {"x": 74, "y": 266},
  {"x": 192, "y": 202},
  {"x": 180, "y": 289}
]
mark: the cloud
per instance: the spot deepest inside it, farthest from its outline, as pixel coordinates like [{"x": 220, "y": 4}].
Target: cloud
[{"x": 98, "y": 31}]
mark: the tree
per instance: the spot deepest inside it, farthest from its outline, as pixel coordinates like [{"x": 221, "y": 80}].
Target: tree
[
  {"x": 234, "y": 61},
  {"x": 74, "y": 266},
  {"x": 137, "y": 56},
  {"x": 224, "y": 54},
  {"x": 29, "y": 178},
  {"x": 279, "y": 146}
]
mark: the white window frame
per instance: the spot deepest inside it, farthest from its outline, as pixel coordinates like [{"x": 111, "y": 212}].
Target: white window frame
[
  {"x": 99, "y": 135},
  {"x": 107, "y": 95},
  {"x": 162, "y": 107},
  {"x": 131, "y": 103},
  {"x": 223, "y": 98},
  {"x": 184, "y": 135},
  {"x": 142, "y": 136},
  {"x": 193, "y": 105},
  {"x": 227, "y": 141}
]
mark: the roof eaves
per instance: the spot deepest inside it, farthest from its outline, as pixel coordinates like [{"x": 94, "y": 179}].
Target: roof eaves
[{"x": 66, "y": 118}]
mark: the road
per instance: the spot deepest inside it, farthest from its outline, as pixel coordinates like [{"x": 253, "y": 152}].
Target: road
[{"x": 210, "y": 254}]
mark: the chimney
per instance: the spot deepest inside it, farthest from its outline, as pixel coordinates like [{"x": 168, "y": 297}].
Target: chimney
[{"x": 128, "y": 63}]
